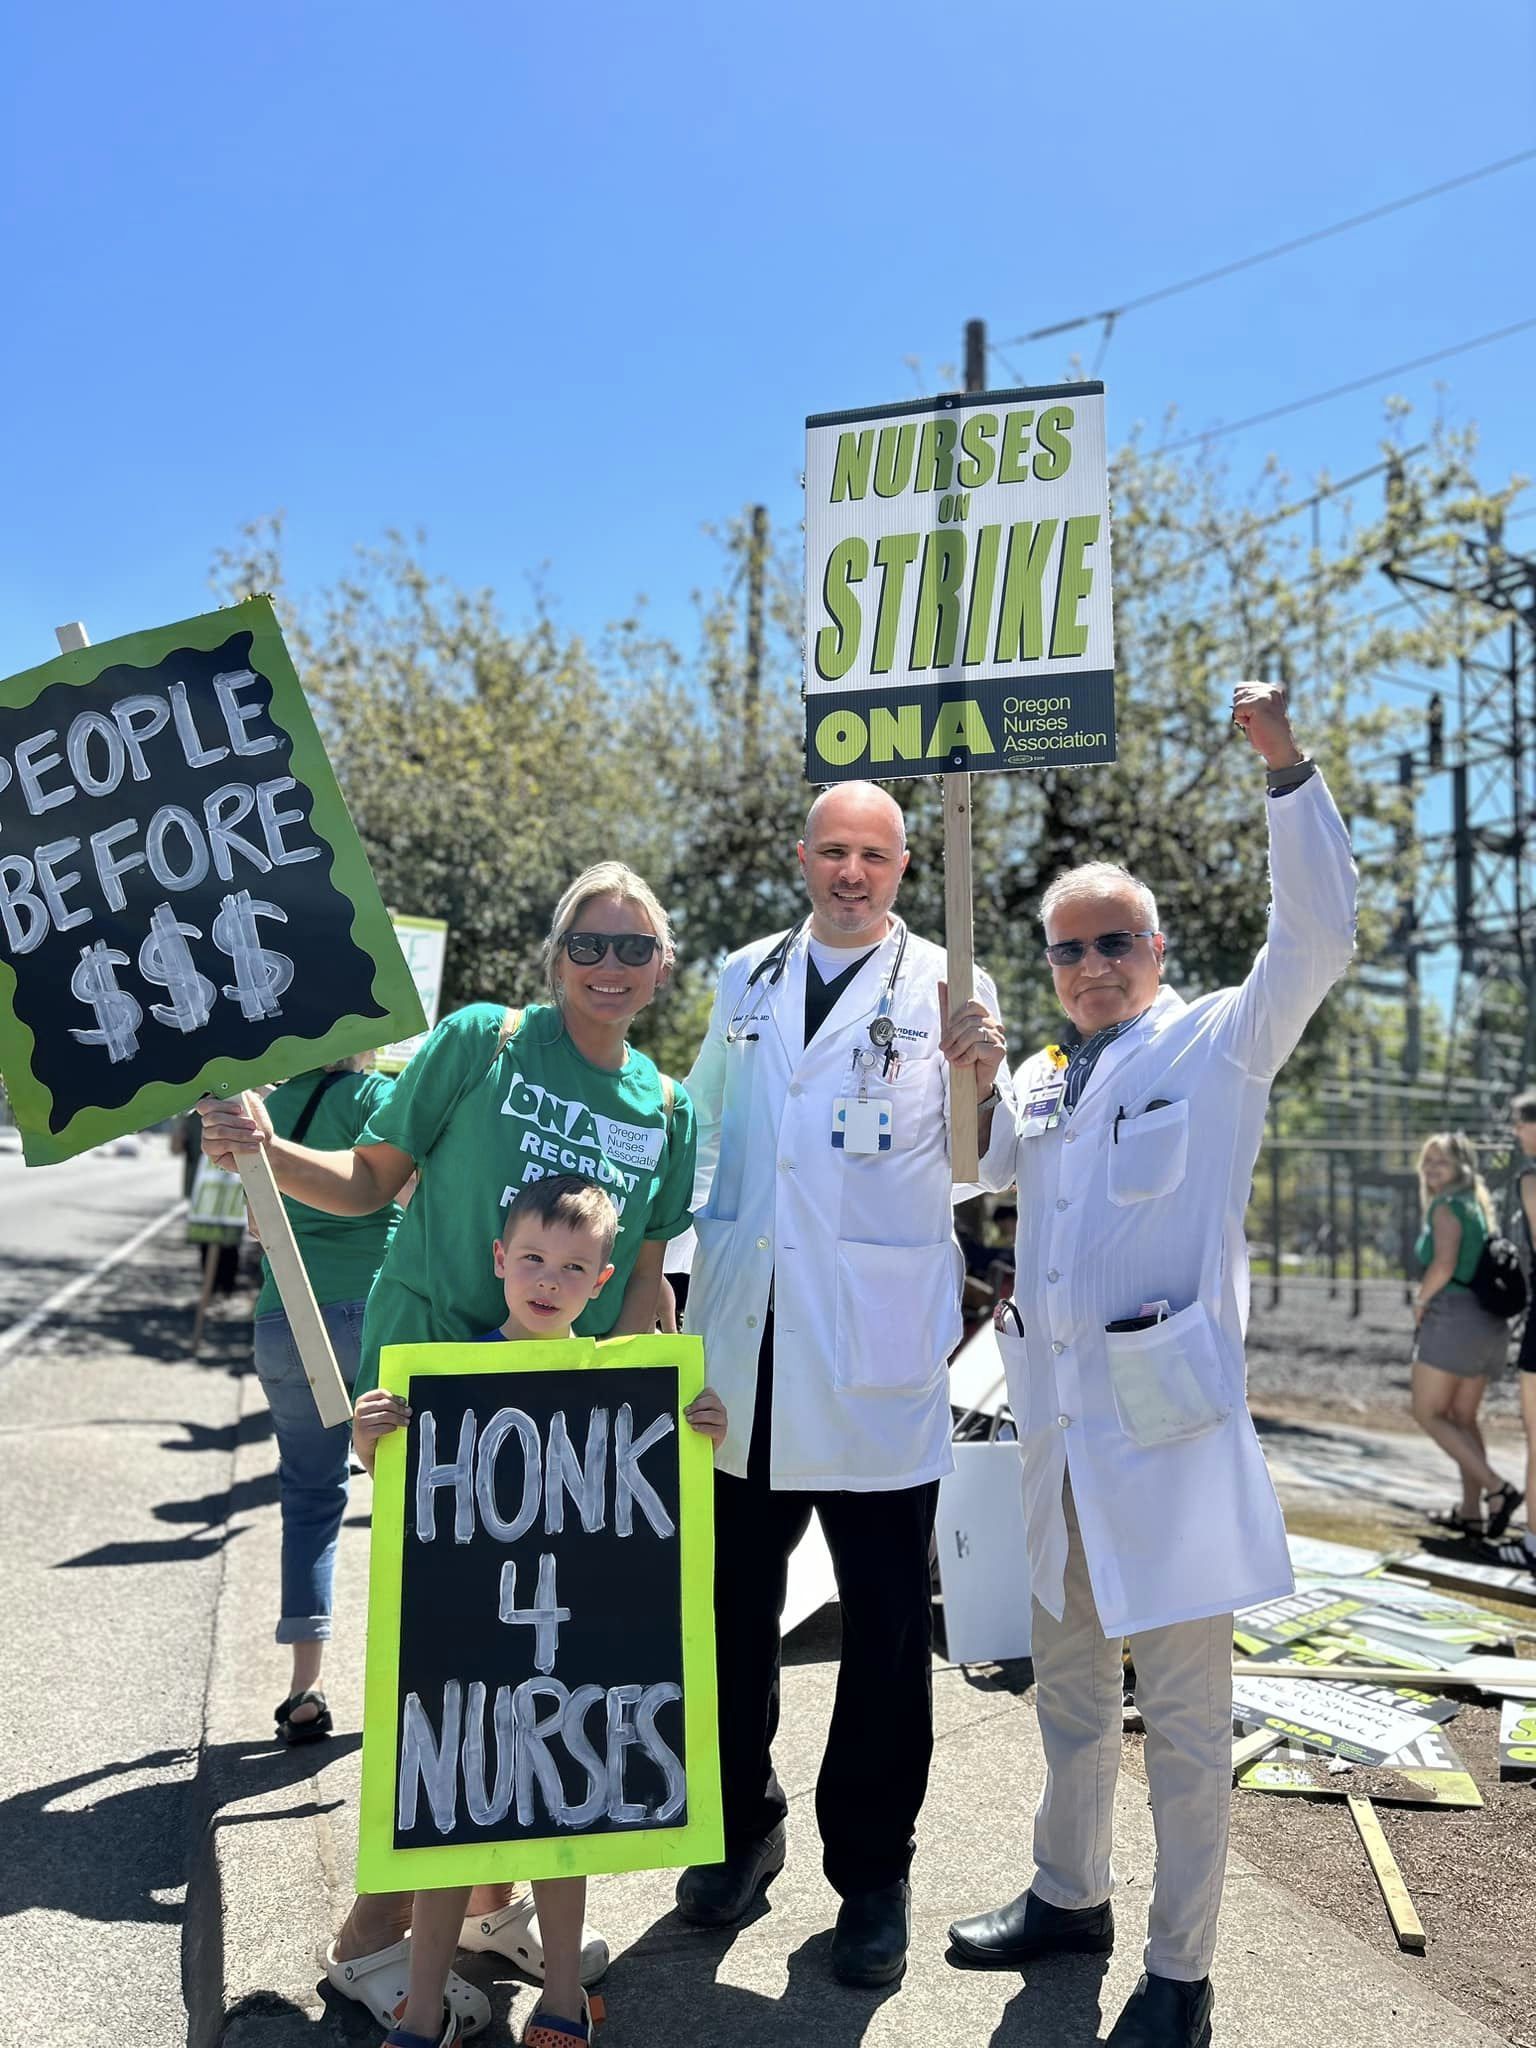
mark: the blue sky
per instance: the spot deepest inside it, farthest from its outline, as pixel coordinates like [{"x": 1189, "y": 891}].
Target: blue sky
[{"x": 560, "y": 285}]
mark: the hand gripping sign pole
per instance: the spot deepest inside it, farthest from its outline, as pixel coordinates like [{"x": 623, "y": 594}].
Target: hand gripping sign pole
[{"x": 332, "y": 1400}]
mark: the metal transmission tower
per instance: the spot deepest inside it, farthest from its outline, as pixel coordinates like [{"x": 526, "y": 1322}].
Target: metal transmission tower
[{"x": 1475, "y": 890}]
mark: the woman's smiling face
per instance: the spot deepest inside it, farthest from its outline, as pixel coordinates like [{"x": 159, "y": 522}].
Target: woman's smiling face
[
  {"x": 1440, "y": 1172},
  {"x": 608, "y": 992}
]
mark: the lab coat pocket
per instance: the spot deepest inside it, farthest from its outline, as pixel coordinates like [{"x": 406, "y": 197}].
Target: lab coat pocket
[
  {"x": 1015, "y": 1358},
  {"x": 1168, "y": 1379},
  {"x": 898, "y": 1315},
  {"x": 1148, "y": 1154},
  {"x": 913, "y": 1093}
]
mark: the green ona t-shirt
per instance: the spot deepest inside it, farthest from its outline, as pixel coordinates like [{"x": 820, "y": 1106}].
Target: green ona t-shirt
[
  {"x": 342, "y": 1254},
  {"x": 1474, "y": 1235},
  {"x": 479, "y": 1125}
]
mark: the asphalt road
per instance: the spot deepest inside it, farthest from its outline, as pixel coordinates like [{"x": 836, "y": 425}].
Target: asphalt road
[
  {"x": 118, "y": 1451},
  {"x": 59, "y": 1221}
]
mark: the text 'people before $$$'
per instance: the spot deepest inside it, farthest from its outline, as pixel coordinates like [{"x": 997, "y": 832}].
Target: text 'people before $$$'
[{"x": 131, "y": 740}]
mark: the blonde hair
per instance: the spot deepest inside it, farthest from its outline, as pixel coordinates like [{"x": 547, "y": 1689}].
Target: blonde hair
[
  {"x": 1462, "y": 1153},
  {"x": 605, "y": 878}
]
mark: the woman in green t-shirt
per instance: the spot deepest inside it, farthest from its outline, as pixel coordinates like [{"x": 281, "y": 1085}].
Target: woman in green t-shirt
[
  {"x": 1459, "y": 1345},
  {"x": 493, "y": 1099}
]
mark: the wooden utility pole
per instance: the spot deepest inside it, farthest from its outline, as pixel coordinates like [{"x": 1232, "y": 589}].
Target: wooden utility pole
[
  {"x": 752, "y": 694},
  {"x": 959, "y": 933}
]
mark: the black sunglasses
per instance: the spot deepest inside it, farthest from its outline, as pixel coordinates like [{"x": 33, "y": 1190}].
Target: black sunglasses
[
  {"x": 631, "y": 949},
  {"x": 1112, "y": 945}
]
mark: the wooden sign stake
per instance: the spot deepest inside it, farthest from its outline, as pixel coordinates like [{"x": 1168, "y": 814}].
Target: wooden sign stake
[
  {"x": 960, "y": 951},
  {"x": 1247, "y": 1749},
  {"x": 1406, "y": 1924},
  {"x": 332, "y": 1401}
]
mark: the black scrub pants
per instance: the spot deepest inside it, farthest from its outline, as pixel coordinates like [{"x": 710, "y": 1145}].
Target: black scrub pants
[{"x": 874, "y": 1771}]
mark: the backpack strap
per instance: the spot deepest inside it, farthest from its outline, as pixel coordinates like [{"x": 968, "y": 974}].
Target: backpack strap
[
  {"x": 668, "y": 1101},
  {"x": 307, "y": 1114},
  {"x": 511, "y": 1024}
]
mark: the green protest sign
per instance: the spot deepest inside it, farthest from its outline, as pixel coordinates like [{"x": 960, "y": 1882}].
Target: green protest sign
[
  {"x": 541, "y": 1647},
  {"x": 185, "y": 906},
  {"x": 957, "y": 585}
]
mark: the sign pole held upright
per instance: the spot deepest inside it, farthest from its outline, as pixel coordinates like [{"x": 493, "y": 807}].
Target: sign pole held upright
[
  {"x": 959, "y": 914},
  {"x": 332, "y": 1401}
]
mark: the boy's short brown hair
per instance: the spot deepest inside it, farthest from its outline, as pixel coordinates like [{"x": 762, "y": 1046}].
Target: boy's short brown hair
[{"x": 570, "y": 1201}]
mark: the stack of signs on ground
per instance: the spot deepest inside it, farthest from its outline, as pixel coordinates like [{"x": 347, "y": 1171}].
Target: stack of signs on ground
[
  {"x": 1386, "y": 1742},
  {"x": 541, "y": 1660},
  {"x": 957, "y": 586},
  {"x": 1372, "y": 1620},
  {"x": 1469, "y": 1575},
  {"x": 1517, "y": 1740},
  {"x": 184, "y": 904}
]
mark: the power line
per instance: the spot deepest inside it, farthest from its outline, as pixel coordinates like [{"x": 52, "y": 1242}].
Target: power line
[
  {"x": 1276, "y": 412},
  {"x": 1113, "y": 313}
]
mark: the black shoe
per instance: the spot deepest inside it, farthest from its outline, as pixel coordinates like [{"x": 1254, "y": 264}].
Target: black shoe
[
  {"x": 1161, "y": 2013},
  {"x": 874, "y": 1929},
  {"x": 1029, "y": 1928},
  {"x": 1501, "y": 1509},
  {"x": 717, "y": 1894}
]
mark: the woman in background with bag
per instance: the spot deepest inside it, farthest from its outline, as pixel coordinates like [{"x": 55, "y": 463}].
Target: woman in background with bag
[
  {"x": 329, "y": 1109},
  {"x": 1459, "y": 1344}
]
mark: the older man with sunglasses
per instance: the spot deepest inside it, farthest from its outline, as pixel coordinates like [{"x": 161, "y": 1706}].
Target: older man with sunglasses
[{"x": 1150, "y": 1512}]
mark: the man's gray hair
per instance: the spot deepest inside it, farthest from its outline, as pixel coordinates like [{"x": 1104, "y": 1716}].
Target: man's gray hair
[
  {"x": 1097, "y": 878},
  {"x": 854, "y": 788}
]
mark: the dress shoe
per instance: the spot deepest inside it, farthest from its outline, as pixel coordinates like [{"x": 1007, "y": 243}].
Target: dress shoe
[
  {"x": 717, "y": 1894},
  {"x": 1030, "y": 1928},
  {"x": 874, "y": 1929},
  {"x": 1162, "y": 2013}
]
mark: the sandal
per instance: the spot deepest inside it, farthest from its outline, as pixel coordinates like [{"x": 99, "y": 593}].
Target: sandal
[
  {"x": 1455, "y": 1523},
  {"x": 314, "y": 1730},
  {"x": 382, "y": 1982},
  {"x": 450, "y": 2037},
  {"x": 539, "y": 2032},
  {"x": 512, "y": 1932},
  {"x": 1501, "y": 1508}
]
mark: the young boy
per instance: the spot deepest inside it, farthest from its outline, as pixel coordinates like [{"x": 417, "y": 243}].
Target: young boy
[{"x": 552, "y": 1258}]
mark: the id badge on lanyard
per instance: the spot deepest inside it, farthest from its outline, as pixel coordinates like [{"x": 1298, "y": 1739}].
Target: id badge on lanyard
[
  {"x": 1041, "y": 1110},
  {"x": 862, "y": 1123}
]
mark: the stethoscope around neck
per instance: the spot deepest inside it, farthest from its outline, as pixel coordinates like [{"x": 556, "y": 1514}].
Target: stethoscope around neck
[{"x": 882, "y": 1031}]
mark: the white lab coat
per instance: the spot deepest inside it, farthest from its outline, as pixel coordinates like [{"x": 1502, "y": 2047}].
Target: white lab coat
[
  {"x": 859, "y": 1248},
  {"x": 1178, "y": 1515}
]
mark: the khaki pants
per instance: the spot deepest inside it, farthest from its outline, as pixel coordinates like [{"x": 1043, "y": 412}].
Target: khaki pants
[{"x": 1184, "y": 1692}]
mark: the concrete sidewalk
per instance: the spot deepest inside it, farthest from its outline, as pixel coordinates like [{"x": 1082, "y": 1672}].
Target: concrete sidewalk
[{"x": 273, "y": 1882}]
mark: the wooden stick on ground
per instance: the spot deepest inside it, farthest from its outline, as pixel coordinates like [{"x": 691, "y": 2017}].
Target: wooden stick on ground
[
  {"x": 1481, "y": 1677},
  {"x": 1406, "y": 1924},
  {"x": 1249, "y": 1748}
]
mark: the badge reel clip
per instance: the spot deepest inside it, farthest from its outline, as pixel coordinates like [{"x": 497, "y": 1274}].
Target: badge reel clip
[{"x": 858, "y": 1124}]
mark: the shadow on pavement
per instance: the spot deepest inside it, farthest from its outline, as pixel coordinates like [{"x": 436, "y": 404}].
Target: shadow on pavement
[
  {"x": 84, "y": 1846},
  {"x": 172, "y": 1550},
  {"x": 1059, "y": 2002},
  {"x": 212, "y": 1508},
  {"x": 665, "y": 1987},
  {"x": 254, "y": 1428}
]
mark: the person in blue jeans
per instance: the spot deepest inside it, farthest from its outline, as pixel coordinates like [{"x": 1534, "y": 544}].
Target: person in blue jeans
[{"x": 328, "y": 1109}]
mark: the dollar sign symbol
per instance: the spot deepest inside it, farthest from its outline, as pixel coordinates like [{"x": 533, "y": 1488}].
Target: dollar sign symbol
[
  {"x": 118, "y": 1016},
  {"x": 260, "y": 975},
  {"x": 164, "y": 957}
]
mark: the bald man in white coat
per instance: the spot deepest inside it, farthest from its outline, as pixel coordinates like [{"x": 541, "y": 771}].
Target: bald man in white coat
[{"x": 1149, "y": 1508}]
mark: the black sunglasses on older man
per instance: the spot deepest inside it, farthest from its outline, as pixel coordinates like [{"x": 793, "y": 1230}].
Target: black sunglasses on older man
[
  {"x": 1112, "y": 945},
  {"x": 631, "y": 949}
]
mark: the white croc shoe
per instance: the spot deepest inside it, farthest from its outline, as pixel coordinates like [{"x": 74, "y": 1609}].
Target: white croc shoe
[
  {"x": 513, "y": 1933},
  {"x": 382, "y": 1982}
]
